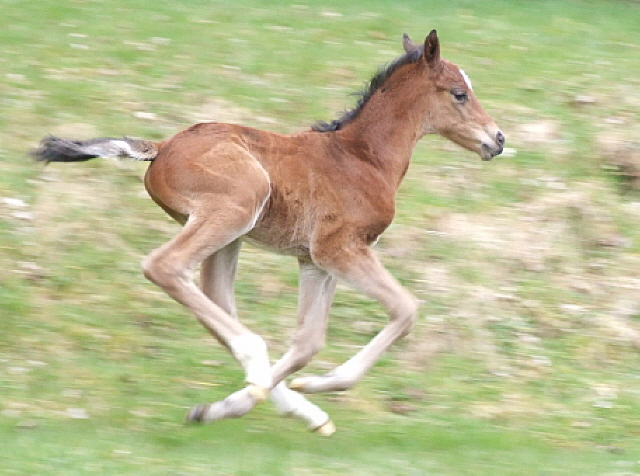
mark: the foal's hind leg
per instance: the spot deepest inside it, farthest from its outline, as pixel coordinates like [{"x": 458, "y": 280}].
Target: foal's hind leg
[
  {"x": 171, "y": 267},
  {"x": 364, "y": 272},
  {"x": 217, "y": 275}
]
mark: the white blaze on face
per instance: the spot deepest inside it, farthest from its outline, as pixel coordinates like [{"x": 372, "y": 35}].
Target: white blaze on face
[{"x": 466, "y": 79}]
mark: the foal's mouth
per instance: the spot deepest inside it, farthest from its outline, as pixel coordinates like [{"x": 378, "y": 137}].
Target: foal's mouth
[{"x": 488, "y": 152}]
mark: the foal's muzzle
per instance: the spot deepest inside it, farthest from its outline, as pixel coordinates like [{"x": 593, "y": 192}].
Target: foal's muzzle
[{"x": 490, "y": 150}]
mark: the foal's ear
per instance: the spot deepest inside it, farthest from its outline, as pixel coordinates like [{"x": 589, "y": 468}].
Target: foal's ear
[
  {"x": 408, "y": 45},
  {"x": 432, "y": 49}
]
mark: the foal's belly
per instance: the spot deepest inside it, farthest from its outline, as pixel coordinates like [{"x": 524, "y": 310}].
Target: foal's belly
[
  {"x": 273, "y": 235},
  {"x": 299, "y": 251}
]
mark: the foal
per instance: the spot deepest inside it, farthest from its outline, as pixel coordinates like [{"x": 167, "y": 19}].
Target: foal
[{"x": 323, "y": 195}]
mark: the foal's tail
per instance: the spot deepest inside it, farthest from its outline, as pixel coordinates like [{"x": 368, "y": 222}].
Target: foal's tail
[{"x": 54, "y": 149}]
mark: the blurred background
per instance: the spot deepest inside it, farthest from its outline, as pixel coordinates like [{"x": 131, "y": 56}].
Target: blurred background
[{"x": 525, "y": 356}]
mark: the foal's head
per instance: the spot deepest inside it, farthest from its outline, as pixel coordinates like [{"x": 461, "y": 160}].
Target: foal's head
[{"x": 454, "y": 111}]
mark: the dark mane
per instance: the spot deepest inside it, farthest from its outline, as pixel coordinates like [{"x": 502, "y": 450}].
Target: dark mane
[{"x": 376, "y": 83}]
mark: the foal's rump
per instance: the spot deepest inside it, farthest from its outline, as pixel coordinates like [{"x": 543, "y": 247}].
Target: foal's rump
[{"x": 207, "y": 170}]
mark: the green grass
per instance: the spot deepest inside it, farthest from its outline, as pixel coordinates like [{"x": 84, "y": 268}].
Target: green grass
[
  {"x": 525, "y": 356},
  {"x": 235, "y": 448}
]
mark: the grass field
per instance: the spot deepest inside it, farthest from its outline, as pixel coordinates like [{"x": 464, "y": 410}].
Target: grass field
[{"x": 525, "y": 358}]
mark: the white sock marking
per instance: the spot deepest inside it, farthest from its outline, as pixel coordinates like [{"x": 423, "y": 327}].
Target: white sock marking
[
  {"x": 292, "y": 403},
  {"x": 251, "y": 352}
]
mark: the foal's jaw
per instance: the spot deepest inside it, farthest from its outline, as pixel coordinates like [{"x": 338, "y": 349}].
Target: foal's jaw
[{"x": 487, "y": 142}]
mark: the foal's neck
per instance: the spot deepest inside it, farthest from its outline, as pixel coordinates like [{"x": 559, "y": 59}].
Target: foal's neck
[{"x": 388, "y": 127}]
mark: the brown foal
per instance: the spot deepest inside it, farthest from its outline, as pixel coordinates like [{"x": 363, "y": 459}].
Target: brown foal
[{"x": 324, "y": 196}]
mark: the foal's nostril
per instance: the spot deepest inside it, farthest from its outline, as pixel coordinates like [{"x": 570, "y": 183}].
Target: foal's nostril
[{"x": 500, "y": 138}]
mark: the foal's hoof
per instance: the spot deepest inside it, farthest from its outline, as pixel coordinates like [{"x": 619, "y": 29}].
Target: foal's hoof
[
  {"x": 298, "y": 384},
  {"x": 196, "y": 414},
  {"x": 327, "y": 429},
  {"x": 313, "y": 384},
  {"x": 334, "y": 381}
]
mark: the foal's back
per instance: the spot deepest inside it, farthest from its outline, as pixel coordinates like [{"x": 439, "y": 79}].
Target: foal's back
[{"x": 319, "y": 186}]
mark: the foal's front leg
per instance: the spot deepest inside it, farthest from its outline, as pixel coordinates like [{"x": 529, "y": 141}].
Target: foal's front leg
[
  {"x": 365, "y": 273},
  {"x": 317, "y": 288}
]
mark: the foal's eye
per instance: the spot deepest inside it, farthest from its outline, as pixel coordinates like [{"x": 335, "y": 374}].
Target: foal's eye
[{"x": 459, "y": 96}]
